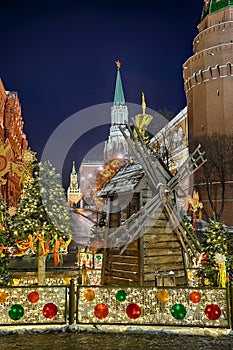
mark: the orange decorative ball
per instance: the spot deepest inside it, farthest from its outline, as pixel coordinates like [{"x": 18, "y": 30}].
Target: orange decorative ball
[
  {"x": 89, "y": 295},
  {"x": 195, "y": 297},
  {"x": 3, "y": 297},
  {"x": 101, "y": 311},
  {"x": 163, "y": 296},
  {"x": 33, "y": 297}
]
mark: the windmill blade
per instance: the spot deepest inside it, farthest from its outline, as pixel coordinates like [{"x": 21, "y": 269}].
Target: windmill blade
[
  {"x": 142, "y": 156},
  {"x": 132, "y": 228},
  {"x": 189, "y": 167},
  {"x": 152, "y": 165}
]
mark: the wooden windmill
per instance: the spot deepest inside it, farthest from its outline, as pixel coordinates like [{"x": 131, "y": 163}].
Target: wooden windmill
[{"x": 153, "y": 239}]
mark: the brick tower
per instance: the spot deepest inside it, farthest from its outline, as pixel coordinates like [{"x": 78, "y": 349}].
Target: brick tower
[{"x": 208, "y": 79}]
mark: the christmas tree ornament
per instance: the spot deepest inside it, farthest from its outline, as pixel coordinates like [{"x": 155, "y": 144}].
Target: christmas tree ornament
[
  {"x": 178, "y": 311},
  {"x": 133, "y": 311},
  {"x": 3, "y": 297},
  {"x": 16, "y": 312},
  {"x": 213, "y": 312},
  {"x": 101, "y": 311},
  {"x": 195, "y": 297},
  {"x": 121, "y": 295},
  {"x": 89, "y": 295},
  {"x": 33, "y": 297},
  {"x": 50, "y": 310},
  {"x": 163, "y": 296}
]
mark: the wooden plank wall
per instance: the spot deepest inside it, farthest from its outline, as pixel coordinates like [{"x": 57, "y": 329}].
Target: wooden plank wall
[
  {"x": 162, "y": 250},
  {"x": 159, "y": 250},
  {"x": 122, "y": 269}
]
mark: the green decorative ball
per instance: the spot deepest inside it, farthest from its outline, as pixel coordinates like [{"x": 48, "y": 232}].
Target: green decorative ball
[
  {"x": 178, "y": 311},
  {"x": 121, "y": 295},
  {"x": 16, "y": 312}
]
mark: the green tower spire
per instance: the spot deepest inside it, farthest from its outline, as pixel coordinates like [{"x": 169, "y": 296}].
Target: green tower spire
[
  {"x": 119, "y": 98},
  {"x": 73, "y": 169},
  {"x": 212, "y": 6}
]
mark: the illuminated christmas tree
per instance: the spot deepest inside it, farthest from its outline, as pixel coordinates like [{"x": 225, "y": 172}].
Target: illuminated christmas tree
[
  {"x": 5, "y": 242},
  {"x": 216, "y": 265},
  {"x": 42, "y": 223}
]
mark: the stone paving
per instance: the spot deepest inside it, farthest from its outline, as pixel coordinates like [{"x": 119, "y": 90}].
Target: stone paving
[{"x": 191, "y": 339}]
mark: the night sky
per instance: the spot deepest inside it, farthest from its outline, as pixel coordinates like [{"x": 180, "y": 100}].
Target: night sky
[{"x": 60, "y": 57}]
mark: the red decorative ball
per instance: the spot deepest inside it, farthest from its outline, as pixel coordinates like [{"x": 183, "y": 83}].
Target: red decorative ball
[
  {"x": 33, "y": 297},
  {"x": 50, "y": 310},
  {"x": 101, "y": 311},
  {"x": 195, "y": 297},
  {"x": 212, "y": 311},
  {"x": 133, "y": 311}
]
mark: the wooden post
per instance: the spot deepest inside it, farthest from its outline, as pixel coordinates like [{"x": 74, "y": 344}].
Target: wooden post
[
  {"x": 230, "y": 302},
  {"x": 71, "y": 301},
  {"x": 41, "y": 267}
]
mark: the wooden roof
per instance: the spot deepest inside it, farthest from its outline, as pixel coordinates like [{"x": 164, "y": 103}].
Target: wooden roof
[{"x": 126, "y": 179}]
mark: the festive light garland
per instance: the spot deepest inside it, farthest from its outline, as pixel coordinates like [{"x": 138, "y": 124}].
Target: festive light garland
[
  {"x": 39, "y": 305},
  {"x": 153, "y": 306}
]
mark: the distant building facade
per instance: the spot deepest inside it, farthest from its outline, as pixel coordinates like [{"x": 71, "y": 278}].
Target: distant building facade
[
  {"x": 11, "y": 128},
  {"x": 88, "y": 172}
]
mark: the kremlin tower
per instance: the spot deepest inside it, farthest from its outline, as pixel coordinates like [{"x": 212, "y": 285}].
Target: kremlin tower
[
  {"x": 208, "y": 74},
  {"x": 116, "y": 146},
  {"x": 208, "y": 80},
  {"x": 73, "y": 193}
]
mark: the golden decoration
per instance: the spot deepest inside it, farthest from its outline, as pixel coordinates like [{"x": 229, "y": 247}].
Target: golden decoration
[
  {"x": 3, "y": 297},
  {"x": 163, "y": 296}
]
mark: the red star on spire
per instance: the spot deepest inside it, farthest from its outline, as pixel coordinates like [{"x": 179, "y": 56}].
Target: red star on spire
[{"x": 118, "y": 64}]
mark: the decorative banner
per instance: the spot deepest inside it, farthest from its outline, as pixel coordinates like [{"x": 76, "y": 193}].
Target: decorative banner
[
  {"x": 8, "y": 165},
  {"x": 5, "y": 157},
  {"x": 86, "y": 259},
  {"x": 111, "y": 167},
  {"x": 98, "y": 259}
]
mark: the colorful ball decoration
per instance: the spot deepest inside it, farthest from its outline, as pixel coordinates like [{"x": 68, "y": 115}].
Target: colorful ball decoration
[
  {"x": 16, "y": 312},
  {"x": 33, "y": 297},
  {"x": 89, "y": 294},
  {"x": 195, "y": 297},
  {"x": 101, "y": 311},
  {"x": 212, "y": 311},
  {"x": 121, "y": 295},
  {"x": 178, "y": 311},
  {"x": 163, "y": 296},
  {"x": 133, "y": 311},
  {"x": 50, "y": 310},
  {"x": 3, "y": 297}
]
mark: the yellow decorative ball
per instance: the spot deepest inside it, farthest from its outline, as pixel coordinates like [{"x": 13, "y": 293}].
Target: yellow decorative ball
[
  {"x": 163, "y": 296},
  {"x": 3, "y": 297},
  {"x": 89, "y": 295}
]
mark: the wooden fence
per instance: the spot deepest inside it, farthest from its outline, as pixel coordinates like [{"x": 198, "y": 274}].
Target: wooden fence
[{"x": 168, "y": 306}]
